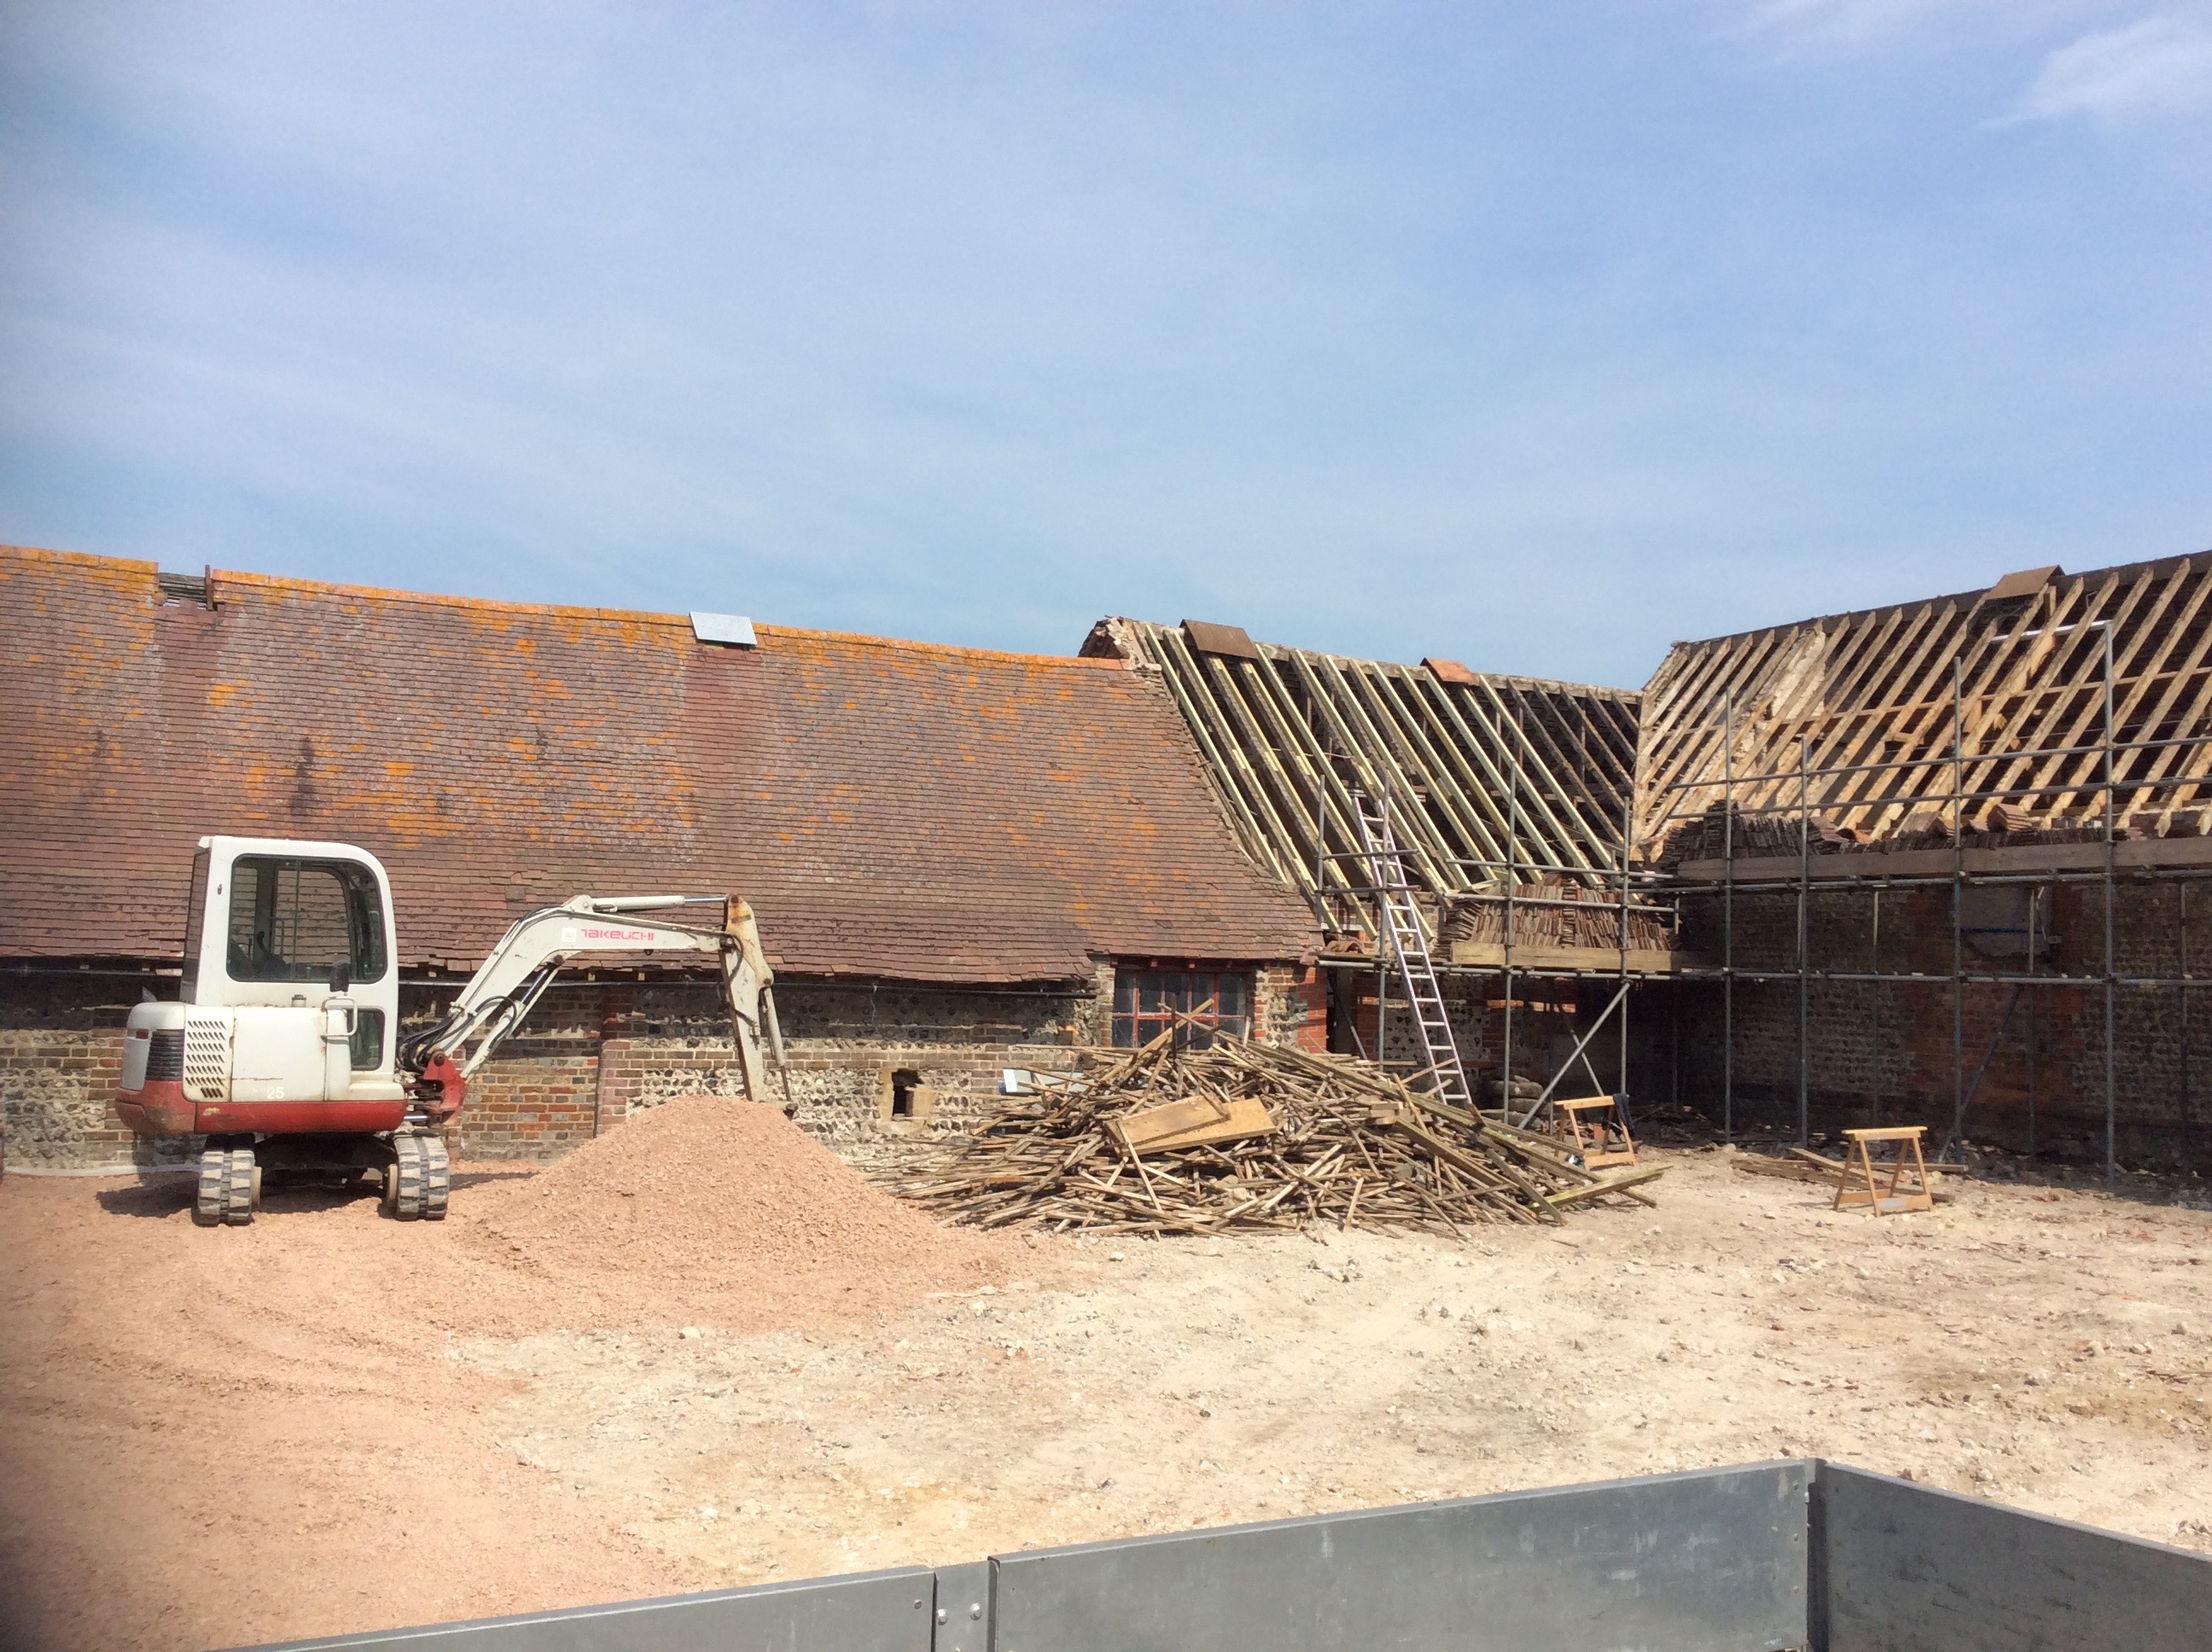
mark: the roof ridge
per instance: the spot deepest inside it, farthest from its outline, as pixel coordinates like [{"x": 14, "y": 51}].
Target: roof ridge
[
  {"x": 2124, "y": 573},
  {"x": 1516, "y": 677},
  {"x": 629, "y": 616},
  {"x": 45, "y": 553}
]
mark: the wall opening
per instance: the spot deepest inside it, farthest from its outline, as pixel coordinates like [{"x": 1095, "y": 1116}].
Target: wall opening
[{"x": 1149, "y": 1002}]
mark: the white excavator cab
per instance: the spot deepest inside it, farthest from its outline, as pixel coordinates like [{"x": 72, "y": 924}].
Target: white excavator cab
[
  {"x": 290, "y": 999},
  {"x": 285, "y": 1047}
]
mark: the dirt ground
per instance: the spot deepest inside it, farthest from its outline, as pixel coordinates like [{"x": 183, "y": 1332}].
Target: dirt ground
[{"x": 302, "y": 1428}]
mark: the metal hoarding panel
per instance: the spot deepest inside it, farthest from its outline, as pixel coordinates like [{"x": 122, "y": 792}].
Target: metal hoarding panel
[
  {"x": 963, "y": 1608},
  {"x": 1712, "y": 1562},
  {"x": 1903, "y": 1567},
  {"x": 866, "y": 1612}
]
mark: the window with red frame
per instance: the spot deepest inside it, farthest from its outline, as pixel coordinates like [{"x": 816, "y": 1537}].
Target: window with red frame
[{"x": 1147, "y": 1001}]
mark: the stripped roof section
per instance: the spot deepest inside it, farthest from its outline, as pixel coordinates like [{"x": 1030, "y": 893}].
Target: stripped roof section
[
  {"x": 906, "y": 810},
  {"x": 1479, "y": 768},
  {"x": 1999, "y": 694}
]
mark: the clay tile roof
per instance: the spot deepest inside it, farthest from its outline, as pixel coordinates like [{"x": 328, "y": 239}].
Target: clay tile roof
[{"x": 892, "y": 809}]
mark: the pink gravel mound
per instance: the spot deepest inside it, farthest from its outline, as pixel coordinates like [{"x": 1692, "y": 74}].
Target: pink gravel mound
[{"x": 733, "y": 1199}]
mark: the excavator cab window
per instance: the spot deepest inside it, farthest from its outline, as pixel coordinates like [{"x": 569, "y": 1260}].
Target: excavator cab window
[
  {"x": 290, "y": 920},
  {"x": 193, "y": 907},
  {"x": 367, "y": 1049}
]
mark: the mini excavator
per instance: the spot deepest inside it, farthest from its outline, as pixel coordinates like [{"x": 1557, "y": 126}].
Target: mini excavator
[{"x": 286, "y": 1051}]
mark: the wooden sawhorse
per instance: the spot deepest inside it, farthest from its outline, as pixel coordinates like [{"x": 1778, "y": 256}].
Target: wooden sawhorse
[
  {"x": 1596, "y": 1127},
  {"x": 1861, "y": 1184}
]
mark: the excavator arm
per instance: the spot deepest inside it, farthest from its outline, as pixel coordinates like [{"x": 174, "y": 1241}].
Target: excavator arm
[{"x": 440, "y": 1059}]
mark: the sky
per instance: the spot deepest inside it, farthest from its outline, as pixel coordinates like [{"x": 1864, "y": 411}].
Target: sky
[{"x": 1533, "y": 336}]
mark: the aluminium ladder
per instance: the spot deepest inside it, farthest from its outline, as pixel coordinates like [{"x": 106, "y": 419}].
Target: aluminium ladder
[{"x": 1409, "y": 943}]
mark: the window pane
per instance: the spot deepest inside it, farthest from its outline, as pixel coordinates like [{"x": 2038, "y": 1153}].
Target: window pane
[
  {"x": 368, "y": 1040},
  {"x": 195, "y": 911},
  {"x": 365, "y": 917},
  {"x": 1147, "y": 1001},
  {"x": 292, "y": 920}
]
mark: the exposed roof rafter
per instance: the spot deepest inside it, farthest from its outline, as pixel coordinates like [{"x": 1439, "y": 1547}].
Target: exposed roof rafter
[
  {"x": 1999, "y": 696},
  {"x": 1478, "y": 770}
]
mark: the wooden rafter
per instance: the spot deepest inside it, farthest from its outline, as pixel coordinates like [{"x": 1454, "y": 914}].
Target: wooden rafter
[
  {"x": 1897, "y": 708},
  {"x": 1475, "y": 773}
]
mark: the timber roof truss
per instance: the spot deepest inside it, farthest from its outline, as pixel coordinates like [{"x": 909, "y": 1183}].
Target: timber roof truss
[
  {"x": 1479, "y": 771},
  {"x": 1951, "y": 703}
]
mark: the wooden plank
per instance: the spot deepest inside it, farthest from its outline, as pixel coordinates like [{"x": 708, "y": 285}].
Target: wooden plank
[
  {"x": 1532, "y": 729},
  {"x": 1381, "y": 749},
  {"x": 2135, "y": 854},
  {"x": 1182, "y": 676},
  {"x": 1286, "y": 736},
  {"x": 1574, "y": 960},
  {"x": 1618, "y": 1184},
  {"x": 2174, "y": 675},
  {"x": 1372, "y": 691},
  {"x": 1225, "y": 685},
  {"x": 1195, "y": 1123},
  {"x": 1560, "y": 844}
]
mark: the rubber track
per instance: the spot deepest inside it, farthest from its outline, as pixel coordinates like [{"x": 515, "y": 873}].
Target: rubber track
[
  {"x": 225, "y": 1192},
  {"x": 209, "y": 1200},
  {"x": 437, "y": 1176},
  {"x": 411, "y": 1177},
  {"x": 237, "y": 1187}
]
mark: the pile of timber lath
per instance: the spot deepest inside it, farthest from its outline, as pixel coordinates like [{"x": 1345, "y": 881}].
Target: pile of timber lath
[
  {"x": 1243, "y": 1135},
  {"x": 1594, "y": 919}
]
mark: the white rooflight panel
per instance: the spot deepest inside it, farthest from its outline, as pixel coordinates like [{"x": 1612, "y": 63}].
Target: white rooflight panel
[{"x": 733, "y": 629}]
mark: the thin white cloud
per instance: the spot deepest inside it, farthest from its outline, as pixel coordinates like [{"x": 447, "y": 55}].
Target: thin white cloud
[
  {"x": 1824, "y": 28},
  {"x": 2159, "y": 66},
  {"x": 1849, "y": 18}
]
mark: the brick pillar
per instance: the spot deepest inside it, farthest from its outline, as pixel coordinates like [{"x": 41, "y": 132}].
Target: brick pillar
[
  {"x": 1309, "y": 998},
  {"x": 616, "y": 1078},
  {"x": 618, "y": 1083}
]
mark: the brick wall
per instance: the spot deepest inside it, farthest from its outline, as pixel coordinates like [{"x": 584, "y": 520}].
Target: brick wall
[
  {"x": 1887, "y": 1052},
  {"x": 61, "y": 1056},
  {"x": 1290, "y": 1006},
  {"x": 594, "y": 1050},
  {"x": 1546, "y": 1019}
]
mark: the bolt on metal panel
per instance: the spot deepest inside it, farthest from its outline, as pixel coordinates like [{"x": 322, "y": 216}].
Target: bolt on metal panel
[
  {"x": 963, "y": 1608},
  {"x": 1711, "y": 1562},
  {"x": 865, "y": 1611},
  {"x": 1905, "y": 1568}
]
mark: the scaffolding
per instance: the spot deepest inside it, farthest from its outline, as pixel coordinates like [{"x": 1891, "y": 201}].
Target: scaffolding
[
  {"x": 2167, "y": 770},
  {"x": 1484, "y": 778},
  {"x": 2086, "y": 699}
]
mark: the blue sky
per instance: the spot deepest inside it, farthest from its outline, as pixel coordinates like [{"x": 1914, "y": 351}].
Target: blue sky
[{"x": 1538, "y": 336}]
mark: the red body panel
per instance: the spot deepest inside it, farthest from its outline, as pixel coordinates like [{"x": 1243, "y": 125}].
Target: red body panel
[
  {"x": 160, "y": 1109},
  {"x": 301, "y": 1118}
]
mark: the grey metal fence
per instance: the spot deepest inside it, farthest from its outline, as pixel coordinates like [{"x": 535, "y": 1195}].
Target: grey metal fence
[{"x": 1776, "y": 1556}]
